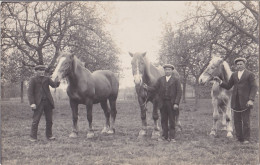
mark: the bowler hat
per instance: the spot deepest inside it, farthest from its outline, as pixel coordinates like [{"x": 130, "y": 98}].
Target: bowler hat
[
  {"x": 168, "y": 66},
  {"x": 40, "y": 67},
  {"x": 240, "y": 59}
]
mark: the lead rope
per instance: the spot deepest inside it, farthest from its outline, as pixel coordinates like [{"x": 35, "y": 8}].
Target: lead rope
[{"x": 241, "y": 111}]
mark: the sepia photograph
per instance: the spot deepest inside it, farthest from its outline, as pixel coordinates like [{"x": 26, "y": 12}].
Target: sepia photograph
[{"x": 129, "y": 82}]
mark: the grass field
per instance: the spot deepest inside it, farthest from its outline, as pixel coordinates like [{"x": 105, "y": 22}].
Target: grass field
[{"x": 193, "y": 146}]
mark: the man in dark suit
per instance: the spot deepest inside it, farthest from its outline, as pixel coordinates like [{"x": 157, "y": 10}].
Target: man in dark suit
[
  {"x": 40, "y": 100},
  {"x": 244, "y": 90},
  {"x": 169, "y": 91}
]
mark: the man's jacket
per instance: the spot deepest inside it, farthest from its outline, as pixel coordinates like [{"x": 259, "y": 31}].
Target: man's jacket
[
  {"x": 245, "y": 88},
  {"x": 174, "y": 87},
  {"x": 39, "y": 88}
]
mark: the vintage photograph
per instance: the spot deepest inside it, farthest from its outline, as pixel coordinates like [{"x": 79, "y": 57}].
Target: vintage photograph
[{"x": 129, "y": 82}]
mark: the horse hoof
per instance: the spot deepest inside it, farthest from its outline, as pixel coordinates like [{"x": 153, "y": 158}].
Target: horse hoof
[
  {"x": 178, "y": 129},
  {"x": 90, "y": 135},
  {"x": 73, "y": 135},
  {"x": 155, "y": 135},
  {"x": 142, "y": 133},
  {"x": 229, "y": 135},
  {"x": 105, "y": 130},
  {"x": 111, "y": 131},
  {"x": 212, "y": 133}
]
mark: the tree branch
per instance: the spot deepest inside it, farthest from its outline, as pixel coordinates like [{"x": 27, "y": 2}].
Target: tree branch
[
  {"x": 247, "y": 5},
  {"x": 234, "y": 24}
]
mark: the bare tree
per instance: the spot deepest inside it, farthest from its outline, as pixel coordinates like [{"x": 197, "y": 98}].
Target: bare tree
[
  {"x": 37, "y": 31},
  {"x": 206, "y": 31}
]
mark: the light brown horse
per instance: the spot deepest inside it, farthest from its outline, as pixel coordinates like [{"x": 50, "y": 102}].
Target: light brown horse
[
  {"x": 88, "y": 88},
  {"x": 221, "y": 97},
  {"x": 146, "y": 73}
]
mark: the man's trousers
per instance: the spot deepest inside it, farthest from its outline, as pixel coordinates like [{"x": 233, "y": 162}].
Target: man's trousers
[
  {"x": 168, "y": 116},
  {"x": 45, "y": 107}
]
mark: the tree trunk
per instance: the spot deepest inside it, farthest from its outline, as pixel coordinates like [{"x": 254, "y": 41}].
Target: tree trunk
[
  {"x": 2, "y": 91},
  {"x": 184, "y": 92},
  {"x": 22, "y": 82},
  {"x": 196, "y": 91}
]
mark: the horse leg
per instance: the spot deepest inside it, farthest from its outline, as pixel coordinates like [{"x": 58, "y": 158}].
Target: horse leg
[
  {"x": 156, "y": 131},
  {"x": 74, "y": 108},
  {"x": 107, "y": 115},
  {"x": 215, "y": 117},
  {"x": 112, "y": 103},
  {"x": 89, "y": 117},
  {"x": 229, "y": 121},
  {"x": 224, "y": 121},
  {"x": 177, "y": 121},
  {"x": 142, "y": 132}
]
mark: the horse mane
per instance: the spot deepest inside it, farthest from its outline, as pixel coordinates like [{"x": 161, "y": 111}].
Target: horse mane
[
  {"x": 226, "y": 71},
  {"x": 80, "y": 63},
  {"x": 150, "y": 69}
]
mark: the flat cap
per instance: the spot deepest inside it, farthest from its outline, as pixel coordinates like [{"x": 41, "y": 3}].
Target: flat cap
[
  {"x": 40, "y": 67},
  {"x": 168, "y": 66},
  {"x": 240, "y": 59}
]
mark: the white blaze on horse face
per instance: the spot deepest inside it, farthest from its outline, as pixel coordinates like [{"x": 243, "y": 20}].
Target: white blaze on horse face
[
  {"x": 203, "y": 79},
  {"x": 208, "y": 74},
  {"x": 137, "y": 75},
  {"x": 57, "y": 74}
]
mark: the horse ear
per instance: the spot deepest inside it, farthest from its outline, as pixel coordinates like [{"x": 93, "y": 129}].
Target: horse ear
[
  {"x": 131, "y": 54},
  {"x": 144, "y": 54}
]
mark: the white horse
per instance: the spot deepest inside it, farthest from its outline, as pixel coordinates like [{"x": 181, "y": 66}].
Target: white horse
[{"x": 221, "y": 98}]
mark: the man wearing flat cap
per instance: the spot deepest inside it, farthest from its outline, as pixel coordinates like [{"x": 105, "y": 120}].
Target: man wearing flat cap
[
  {"x": 40, "y": 100},
  {"x": 244, "y": 90},
  {"x": 169, "y": 91}
]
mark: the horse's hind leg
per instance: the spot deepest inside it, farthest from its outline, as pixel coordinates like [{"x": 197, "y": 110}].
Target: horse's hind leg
[
  {"x": 177, "y": 121},
  {"x": 113, "y": 112},
  {"x": 215, "y": 117},
  {"x": 107, "y": 115},
  {"x": 74, "y": 109}
]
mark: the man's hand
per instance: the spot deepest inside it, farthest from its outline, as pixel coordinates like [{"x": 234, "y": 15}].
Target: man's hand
[
  {"x": 33, "y": 106},
  {"x": 145, "y": 86},
  {"x": 175, "y": 107},
  {"x": 217, "y": 79},
  {"x": 250, "y": 103}
]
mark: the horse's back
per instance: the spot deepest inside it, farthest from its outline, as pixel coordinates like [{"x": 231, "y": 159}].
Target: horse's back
[{"x": 106, "y": 83}]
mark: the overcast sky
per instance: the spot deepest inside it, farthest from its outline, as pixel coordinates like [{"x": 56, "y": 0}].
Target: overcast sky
[{"x": 138, "y": 26}]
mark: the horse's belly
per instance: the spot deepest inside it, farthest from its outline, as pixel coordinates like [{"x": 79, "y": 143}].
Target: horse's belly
[{"x": 98, "y": 98}]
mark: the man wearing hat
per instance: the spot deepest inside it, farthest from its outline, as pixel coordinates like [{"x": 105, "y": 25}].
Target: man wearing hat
[
  {"x": 40, "y": 100},
  {"x": 169, "y": 91},
  {"x": 244, "y": 90}
]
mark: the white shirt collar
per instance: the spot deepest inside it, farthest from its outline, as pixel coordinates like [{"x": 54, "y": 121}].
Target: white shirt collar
[
  {"x": 240, "y": 73},
  {"x": 168, "y": 78}
]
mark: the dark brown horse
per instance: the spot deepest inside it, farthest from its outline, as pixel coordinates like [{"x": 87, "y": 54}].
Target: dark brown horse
[
  {"x": 88, "y": 88},
  {"x": 146, "y": 73}
]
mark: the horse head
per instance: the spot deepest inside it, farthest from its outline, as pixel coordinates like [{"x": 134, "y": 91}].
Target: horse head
[
  {"x": 213, "y": 69},
  {"x": 63, "y": 67},
  {"x": 138, "y": 67}
]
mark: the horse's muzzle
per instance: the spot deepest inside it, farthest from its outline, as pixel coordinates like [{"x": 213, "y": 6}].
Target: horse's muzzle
[{"x": 137, "y": 80}]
